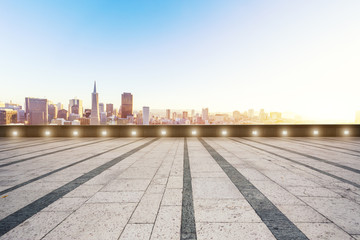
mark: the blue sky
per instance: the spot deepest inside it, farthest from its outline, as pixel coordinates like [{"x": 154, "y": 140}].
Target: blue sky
[{"x": 300, "y": 56}]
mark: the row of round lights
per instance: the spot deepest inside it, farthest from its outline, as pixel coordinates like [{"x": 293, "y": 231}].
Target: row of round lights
[
  {"x": 193, "y": 133},
  {"x": 285, "y": 132}
]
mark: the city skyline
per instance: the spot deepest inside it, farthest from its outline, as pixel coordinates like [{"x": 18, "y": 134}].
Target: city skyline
[
  {"x": 76, "y": 110},
  {"x": 281, "y": 56},
  {"x": 40, "y": 111}
]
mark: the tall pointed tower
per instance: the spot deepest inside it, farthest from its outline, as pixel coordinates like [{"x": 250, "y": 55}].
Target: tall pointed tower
[{"x": 95, "y": 118}]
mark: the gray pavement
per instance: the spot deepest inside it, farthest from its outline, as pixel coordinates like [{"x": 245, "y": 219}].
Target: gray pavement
[{"x": 172, "y": 188}]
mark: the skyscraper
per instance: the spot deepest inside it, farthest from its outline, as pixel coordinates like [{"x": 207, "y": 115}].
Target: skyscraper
[
  {"x": 101, "y": 107},
  {"x": 146, "y": 115},
  {"x": 95, "y": 116},
  {"x": 36, "y": 111},
  {"x": 167, "y": 113},
  {"x": 59, "y": 106},
  {"x": 52, "y": 109},
  {"x": 103, "y": 118},
  {"x": 205, "y": 114},
  {"x": 21, "y": 116},
  {"x": 126, "y": 104},
  {"x": 185, "y": 115},
  {"x": 76, "y": 106},
  {"x": 109, "y": 109}
]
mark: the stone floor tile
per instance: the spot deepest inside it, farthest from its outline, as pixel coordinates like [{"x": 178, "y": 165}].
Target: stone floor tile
[
  {"x": 126, "y": 185},
  {"x": 137, "y": 232},
  {"x": 94, "y": 221},
  {"x": 167, "y": 224},
  {"x": 215, "y": 188},
  {"x": 147, "y": 209},
  {"x": 121, "y": 197},
  {"x": 301, "y": 213},
  {"x": 323, "y": 231},
  {"x": 230, "y": 231},
  {"x": 224, "y": 210},
  {"x": 84, "y": 191},
  {"x": 341, "y": 211},
  {"x": 172, "y": 196},
  {"x": 65, "y": 205}
]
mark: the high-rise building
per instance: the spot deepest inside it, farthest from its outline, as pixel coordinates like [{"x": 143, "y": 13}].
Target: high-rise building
[
  {"x": 76, "y": 106},
  {"x": 167, "y": 113},
  {"x": 62, "y": 113},
  {"x": 21, "y": 116},
  {"x": 52, "y": 109},
  {"x": 36, "y": 111},
  {"x": 59, "y": 106},
  {"x": 101, "y": 107},
  {"x": 185, "y": 115},
  {"x": 103, "y": 118},
  {"x": 8, "y": 116},
  {"x": 192, "y": 113},
  {"x": 109, "y": 109},
  {"x": 126, "y": 104},
  {"x": 75, "y": 110},
  {"x": 95, "y": 115},
  {"x": 205, "y": 114},
  {"x": 174, "y": 116},
  {"x": 146, "y": 115}
]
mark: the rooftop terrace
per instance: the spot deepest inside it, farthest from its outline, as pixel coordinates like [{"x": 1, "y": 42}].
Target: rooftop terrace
[{"x": 180, "y": 188}]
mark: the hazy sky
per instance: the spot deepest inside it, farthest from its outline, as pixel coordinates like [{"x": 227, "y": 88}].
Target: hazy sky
[{"x": 301, "y": 56}]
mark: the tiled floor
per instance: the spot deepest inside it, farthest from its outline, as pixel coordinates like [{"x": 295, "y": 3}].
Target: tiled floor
[{"x": 176, "y": 188}]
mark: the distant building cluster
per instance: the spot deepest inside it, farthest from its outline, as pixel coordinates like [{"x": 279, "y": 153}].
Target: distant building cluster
[{"x": 40, "y": 111}]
